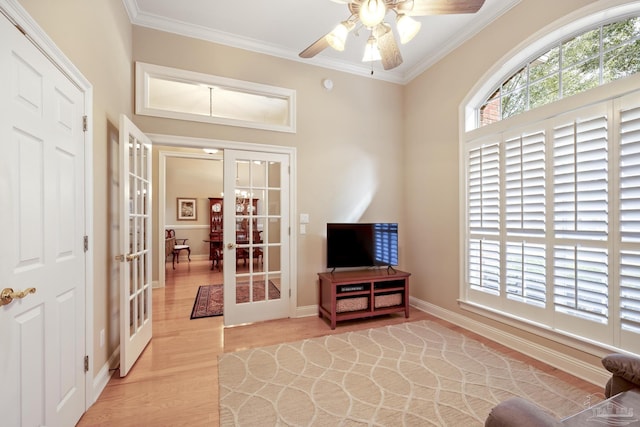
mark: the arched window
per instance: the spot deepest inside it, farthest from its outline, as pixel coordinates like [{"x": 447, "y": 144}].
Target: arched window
[
  {"x": 551, "y": 164},
  {"x": 573, "y": 65}
]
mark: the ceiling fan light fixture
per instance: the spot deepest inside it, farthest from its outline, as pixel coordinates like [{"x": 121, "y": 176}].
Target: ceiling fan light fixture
[
  {"x": 338, "y": 37},
  {"x": 372, "y": 12},
  {"x": 407, "y": 27},
  {"x": 371, "y": 51}
]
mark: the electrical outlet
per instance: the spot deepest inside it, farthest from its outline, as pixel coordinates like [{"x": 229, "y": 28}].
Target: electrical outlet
[{"x": 102, "y": 338}]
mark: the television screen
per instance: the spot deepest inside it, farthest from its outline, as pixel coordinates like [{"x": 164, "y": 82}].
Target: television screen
[{"x": 362, "y": 244}]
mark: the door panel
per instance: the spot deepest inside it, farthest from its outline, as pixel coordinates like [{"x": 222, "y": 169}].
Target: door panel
[
  {"x": 256, "y": 193},
  {"x": 135, "y": 238},
  {"x": 42, "y": 378}
]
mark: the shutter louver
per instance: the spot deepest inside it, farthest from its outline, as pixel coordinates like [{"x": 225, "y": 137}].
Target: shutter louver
[
  {"x": 630, "y": 175},
  {"x": 630, "y": 291},
  {"x": 484, "y": 189},
  {"x": 581, "y": 179},
  {"x": 484, "y": 265},
  {"x": 525, "y": 185},
  {"x": 526, "y": 281},
  {"x": 581, "y": 282}
]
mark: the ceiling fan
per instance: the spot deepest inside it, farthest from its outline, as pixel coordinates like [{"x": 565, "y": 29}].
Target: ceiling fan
[{"x": 370, "y": 14}]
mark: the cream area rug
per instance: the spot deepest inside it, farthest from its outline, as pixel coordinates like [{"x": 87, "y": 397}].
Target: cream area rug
[{"x": 411, "y": 374}]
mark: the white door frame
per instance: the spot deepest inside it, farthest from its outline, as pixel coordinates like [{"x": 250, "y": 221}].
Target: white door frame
[
  {"x": 190, "y": 142},
  {"x": 18, "y": 15}
]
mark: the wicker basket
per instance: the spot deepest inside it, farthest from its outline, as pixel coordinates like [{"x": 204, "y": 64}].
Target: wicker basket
[
  {"x": 388, "y": 300},
  {"x": 352, "y": 304}
]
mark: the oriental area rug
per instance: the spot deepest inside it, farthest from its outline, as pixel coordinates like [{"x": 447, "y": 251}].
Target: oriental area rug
[
  {"x": 210, "y": 298},
  {"x": 410, "y": 374}
]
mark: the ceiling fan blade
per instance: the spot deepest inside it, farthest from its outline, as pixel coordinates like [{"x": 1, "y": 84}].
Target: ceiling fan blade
[
  {"x": 439, "y": 7},
  {"x": 315, "y": 48},
  {"x": 389, "y": 52}
]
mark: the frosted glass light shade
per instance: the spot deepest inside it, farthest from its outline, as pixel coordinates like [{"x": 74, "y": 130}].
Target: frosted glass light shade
[
  {"x": 407, "y": 28},
  {"x": 338, "y": 37},
  {"x": 372, "y": 12},
  {"x": 371, "y": 51}
]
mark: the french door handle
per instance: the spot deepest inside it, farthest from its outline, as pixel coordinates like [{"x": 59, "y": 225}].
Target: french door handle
[
  {"x": 8, "y": 295},
  {"x": 128, "y": 257},
  {"x": 231, "y": 245}
]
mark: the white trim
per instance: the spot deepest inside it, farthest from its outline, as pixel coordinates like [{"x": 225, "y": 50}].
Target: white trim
[
  {"x": 15, "y": 12},
  {"x": 252, "y": 45},
  {"x": 576, "y": 367},
  {"x": 306, "y": 311},
  {"x": 192, "y": 142},
  {"x": 144, "y": 72},
  {"x": 186, "y": 227},
  {"x": 458, "y": 40},
  {"x": 104, "y": 375}
]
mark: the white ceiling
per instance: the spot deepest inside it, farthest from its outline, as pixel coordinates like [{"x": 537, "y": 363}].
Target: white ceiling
[{"x": 283, "y": 28}]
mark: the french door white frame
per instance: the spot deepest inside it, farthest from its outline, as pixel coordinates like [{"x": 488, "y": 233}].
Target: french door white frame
[
  {"x": 188, "y": 142},
  {"x": 18, "y": 15}
]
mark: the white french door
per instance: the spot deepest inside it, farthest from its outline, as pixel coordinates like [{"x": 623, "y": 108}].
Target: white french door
[
  {"x": 42, "y": 256},
  {"x": 135, "y": 240},
  {"x": 256, "y": 236}
]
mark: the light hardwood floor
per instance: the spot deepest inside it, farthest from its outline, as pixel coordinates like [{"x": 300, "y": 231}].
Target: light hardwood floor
[{"x": 175, "y": 381}]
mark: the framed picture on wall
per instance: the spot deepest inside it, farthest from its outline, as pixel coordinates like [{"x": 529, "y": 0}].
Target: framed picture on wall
[{"x": 187, "y": 209}]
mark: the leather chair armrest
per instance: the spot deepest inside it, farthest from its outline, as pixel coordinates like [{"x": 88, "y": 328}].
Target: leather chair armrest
[
  {"x": 519, "y": 412},
  {"x": 625, "y": 370}
]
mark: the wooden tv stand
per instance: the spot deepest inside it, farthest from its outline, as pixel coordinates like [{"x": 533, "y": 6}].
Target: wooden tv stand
[{"x": 347, "y": 295}]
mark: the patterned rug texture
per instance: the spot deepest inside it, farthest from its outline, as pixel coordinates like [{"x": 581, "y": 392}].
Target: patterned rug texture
[
  {"x": 210, "y": 298},
  {"x": 411, "y": 374}
]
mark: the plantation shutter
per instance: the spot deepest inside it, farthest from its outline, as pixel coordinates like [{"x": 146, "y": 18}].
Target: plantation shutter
[
  {"x": 526, "y": 279},
  {"x": 484, "y": 218},
  {"x": 630, "y": 292},
  {"x": 630, "y": 175},
  {"x": 484, "y": 265},
  {"x": 484, "y": 189},
  {"x": 580, "y": 172},
  {"x": 525, "y": 185},
  {"x": 525, "y": 217},
  {"x": 629, "y": 191},
  {"x": 580, "y": 282},
  {"x": 580, "y": 179}
]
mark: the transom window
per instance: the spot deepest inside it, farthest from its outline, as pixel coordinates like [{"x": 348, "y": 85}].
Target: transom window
[
  {"x": 186, "y": 95},
  {"x": 571, "y": 66}
]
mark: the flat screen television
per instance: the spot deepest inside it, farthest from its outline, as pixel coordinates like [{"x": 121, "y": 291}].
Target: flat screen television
[{"x": 362, "y": 245}]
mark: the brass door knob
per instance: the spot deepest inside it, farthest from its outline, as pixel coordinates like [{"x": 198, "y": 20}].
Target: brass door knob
[
  {"x": 231, "y": 245},
  {"x": 7, "y": 295}
]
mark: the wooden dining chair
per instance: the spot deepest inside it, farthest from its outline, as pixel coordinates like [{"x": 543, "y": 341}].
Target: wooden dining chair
[{"x": 180, "y": 245}]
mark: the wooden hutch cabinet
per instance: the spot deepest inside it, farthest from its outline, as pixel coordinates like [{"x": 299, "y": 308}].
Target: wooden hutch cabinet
[{"x": 216, "y": 224}]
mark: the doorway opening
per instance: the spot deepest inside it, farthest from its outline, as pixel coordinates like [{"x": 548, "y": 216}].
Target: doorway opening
[{"x": 185, "y": 156}]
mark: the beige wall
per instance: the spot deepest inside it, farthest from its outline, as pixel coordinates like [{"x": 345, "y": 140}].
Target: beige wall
[
  {"x": 97, "y": 37},
  {"x": 191, "y": 178},
  {"x": 348, "y": 141}
]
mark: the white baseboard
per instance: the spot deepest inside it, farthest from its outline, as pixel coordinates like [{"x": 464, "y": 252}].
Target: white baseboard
[
  {"x": 101, "y": 380},
  {"x": 306, "y": 311},
  {"x": 593, "y": 374}
]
